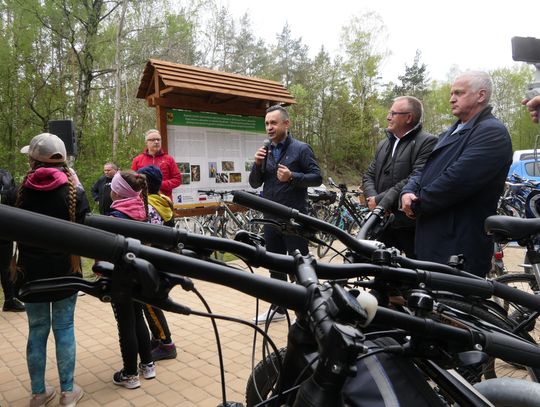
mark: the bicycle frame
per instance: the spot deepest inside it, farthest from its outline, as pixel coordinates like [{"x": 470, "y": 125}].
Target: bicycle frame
[{"x": 305, "y": 297}]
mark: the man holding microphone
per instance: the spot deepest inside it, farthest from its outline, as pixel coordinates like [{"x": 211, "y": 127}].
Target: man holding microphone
[{"x": 285, "y": 168}]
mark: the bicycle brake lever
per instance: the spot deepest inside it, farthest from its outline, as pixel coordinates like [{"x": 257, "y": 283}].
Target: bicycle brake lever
[{"x": 99, "y": 288}]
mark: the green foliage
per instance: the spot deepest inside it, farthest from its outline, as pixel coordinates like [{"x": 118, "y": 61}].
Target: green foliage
[{"x": 59, "y": 62}]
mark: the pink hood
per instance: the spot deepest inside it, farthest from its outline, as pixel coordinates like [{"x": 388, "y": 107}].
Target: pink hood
[{"x": 46, "y": 179}]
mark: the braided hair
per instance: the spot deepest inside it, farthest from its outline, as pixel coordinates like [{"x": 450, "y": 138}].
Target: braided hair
[{"x": 72, "y": 204}]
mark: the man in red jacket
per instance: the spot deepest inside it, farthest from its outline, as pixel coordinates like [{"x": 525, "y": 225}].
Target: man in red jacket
[{"x": 154, "y": 155}]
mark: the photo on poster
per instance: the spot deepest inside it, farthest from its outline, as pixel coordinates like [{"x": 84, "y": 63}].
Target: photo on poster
[
  {"x": 222, "y": 178},
  {"x": 195, "y": 173},
  {"x": 183, "y": 167},
  {"x": 212, "y": 169},
  {"x": 248, "y": 165},
  {"x": 186, "y": 178},
  {"x": 235, "y": 177},
  {"x": 227, "y": 166}
]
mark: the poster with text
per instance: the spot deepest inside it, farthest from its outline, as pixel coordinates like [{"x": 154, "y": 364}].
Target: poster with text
[{"x": 214, "y": 150}]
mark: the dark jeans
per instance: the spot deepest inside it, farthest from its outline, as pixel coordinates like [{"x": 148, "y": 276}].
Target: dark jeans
[
  {"x": 278, "y": 242},
  {"x": 6, "y": 253},
  {"x": 132, "y": 335},
  {"x": 401, "y": 238}
]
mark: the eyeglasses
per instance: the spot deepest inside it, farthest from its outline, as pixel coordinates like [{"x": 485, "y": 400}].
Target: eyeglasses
[
  {"x": 154, "y": 140},
  {"x": 392, "y": 113}
]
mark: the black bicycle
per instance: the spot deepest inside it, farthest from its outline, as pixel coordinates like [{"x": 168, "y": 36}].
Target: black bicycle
[
  {"x": 347, "y": 215},
  {"x": 329, "y": 317}
]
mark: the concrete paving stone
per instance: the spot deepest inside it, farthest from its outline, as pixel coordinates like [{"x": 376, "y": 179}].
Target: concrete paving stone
[
  {"x": 171, "y": 398},
  {"x": 153, "y": 387},
  {"x": 194, "y": 394},
  {"x": 190, "y": 380}
]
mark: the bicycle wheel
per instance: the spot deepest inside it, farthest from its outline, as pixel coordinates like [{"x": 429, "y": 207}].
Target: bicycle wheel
[
  {"x": 327, "y": 238},
  {"x": 190, "y": 224},
  {"x": 516, "y": 312},
  {"x": 493, "y": 367},
  {"x": 262, "y": 380}
]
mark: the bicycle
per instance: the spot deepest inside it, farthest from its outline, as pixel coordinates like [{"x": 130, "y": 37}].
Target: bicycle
[
  {"x": 225, "y": 222},
  {"x": 322, "y": 308},
  {"x": 347, "y": 215}
]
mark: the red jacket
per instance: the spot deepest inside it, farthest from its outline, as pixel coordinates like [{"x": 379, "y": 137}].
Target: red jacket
[{"x": 171, "y": 175}]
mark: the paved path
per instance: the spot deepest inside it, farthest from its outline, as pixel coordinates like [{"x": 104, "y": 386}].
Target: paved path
[{"x": 190, "y": 380}]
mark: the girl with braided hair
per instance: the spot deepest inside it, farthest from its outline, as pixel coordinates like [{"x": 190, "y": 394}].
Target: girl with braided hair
[
  {"x": 129, "y": 193},
  {"x": 49, "y": 188}
]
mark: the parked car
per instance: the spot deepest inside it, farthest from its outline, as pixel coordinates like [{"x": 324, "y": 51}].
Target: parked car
[
  {"x": 527, "y": 169},
  {"x": 525, "y": 155}
]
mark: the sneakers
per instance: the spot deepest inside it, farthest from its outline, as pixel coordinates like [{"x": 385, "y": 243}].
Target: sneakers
[
  {"x": 128, "y": 381},
  {"x": 163, "y": 351},
  {"x": 261, "y": 319},
  {"x": 13, "y": 305},
  {"x": 71, "y": 398},
  {"x": 148, "y": 370},
  {"x": 42, "y": 399}
]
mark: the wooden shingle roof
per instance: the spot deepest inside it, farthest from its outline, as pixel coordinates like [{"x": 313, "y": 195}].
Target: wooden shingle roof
[{"x": 187, "y": 87}]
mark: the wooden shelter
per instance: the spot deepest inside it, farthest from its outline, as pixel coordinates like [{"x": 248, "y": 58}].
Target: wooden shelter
[
  {"x": 176, "y": 86},
  {"x": 166, "y": 85}
]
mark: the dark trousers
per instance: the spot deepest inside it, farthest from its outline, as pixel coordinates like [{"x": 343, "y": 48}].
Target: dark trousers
[
  {"x": 278, "y": 242},
  {"x": 400, "y": 238},
  {"x": 6, "y": 253},
  {"x": 132, "y": 335},
  {"x": 157, "y": 323}
]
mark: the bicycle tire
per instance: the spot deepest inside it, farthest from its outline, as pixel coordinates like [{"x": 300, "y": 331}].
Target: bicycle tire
[
  {"x": 190, "y": 224},
  {"x": 327, "y": 238},
  {"x": 492, "y": 368},
  {"x": 524, "y": 282},
  {"x": 263, "y": 378}
]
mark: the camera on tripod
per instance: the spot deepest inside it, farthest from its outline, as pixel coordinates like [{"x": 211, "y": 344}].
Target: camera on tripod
[{"x": 527, "y": 49}]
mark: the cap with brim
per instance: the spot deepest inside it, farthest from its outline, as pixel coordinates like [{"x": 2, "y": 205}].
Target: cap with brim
[{"x": 46, "y": 148}]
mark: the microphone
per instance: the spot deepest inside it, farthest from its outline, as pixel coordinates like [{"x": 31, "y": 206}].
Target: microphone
[{"x": 266, "y": 145}]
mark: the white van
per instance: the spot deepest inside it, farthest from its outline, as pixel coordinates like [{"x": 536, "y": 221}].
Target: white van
[{"x": 524, "y": 155}]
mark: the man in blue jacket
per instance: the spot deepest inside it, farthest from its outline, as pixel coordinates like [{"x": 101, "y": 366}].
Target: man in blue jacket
[
  {"x": 286, "y": 168},
  {"x": 461, "y": 182}
]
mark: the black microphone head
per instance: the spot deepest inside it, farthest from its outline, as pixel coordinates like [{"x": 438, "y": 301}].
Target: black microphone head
[{"x": 266, "y": 143}]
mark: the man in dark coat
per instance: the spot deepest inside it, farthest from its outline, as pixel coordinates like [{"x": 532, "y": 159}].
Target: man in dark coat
[
  {"x": 101, "y": 190},
  {"x": 405, "y": 148},
  {"x": 285, "y": 169},
  {"x": 461, "y": 182}
]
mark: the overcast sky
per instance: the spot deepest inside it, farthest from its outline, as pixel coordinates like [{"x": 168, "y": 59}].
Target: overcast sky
[{"x": 472, "y": 34}]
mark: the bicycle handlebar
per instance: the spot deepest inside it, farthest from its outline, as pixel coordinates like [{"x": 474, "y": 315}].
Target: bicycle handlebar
[
  {"x": 47, "y": 232},
  {"x": 35, "y": 229},
  {"x": 258, "y": 256}
]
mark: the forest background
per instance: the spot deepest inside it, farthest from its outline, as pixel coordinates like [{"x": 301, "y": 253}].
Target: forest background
[{"x": 83, "y": 60}]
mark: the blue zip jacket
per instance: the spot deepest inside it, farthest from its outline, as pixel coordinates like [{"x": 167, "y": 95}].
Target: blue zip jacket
[{"x": 299, "y": 158}]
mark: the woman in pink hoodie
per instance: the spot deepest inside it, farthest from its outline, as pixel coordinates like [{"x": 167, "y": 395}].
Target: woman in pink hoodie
[
  {"x": 50, "y": 188},
  {"x": 130, "y": 201}
]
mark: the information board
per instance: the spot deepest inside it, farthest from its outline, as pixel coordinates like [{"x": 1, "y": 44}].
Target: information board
[{"x": 212, "y": 151}]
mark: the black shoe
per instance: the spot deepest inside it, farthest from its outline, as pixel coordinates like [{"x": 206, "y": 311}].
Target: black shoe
[{"x": 13, "y": 305}]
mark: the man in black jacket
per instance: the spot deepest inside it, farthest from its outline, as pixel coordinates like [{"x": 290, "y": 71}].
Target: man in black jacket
[
  {"x": 101, "y": 190},
  {"x": 286, "y": 168},
  {"x": 405, "y": 149}
]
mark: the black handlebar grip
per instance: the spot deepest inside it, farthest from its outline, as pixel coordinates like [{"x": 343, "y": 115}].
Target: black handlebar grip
[
  {"x": 43, "y": 231},
  {"x": 145, "y": 232},
  {"x": 512, "y": 349},
  {"x": 261, "y": 204},
  {"x": 529, "y": 300}
]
